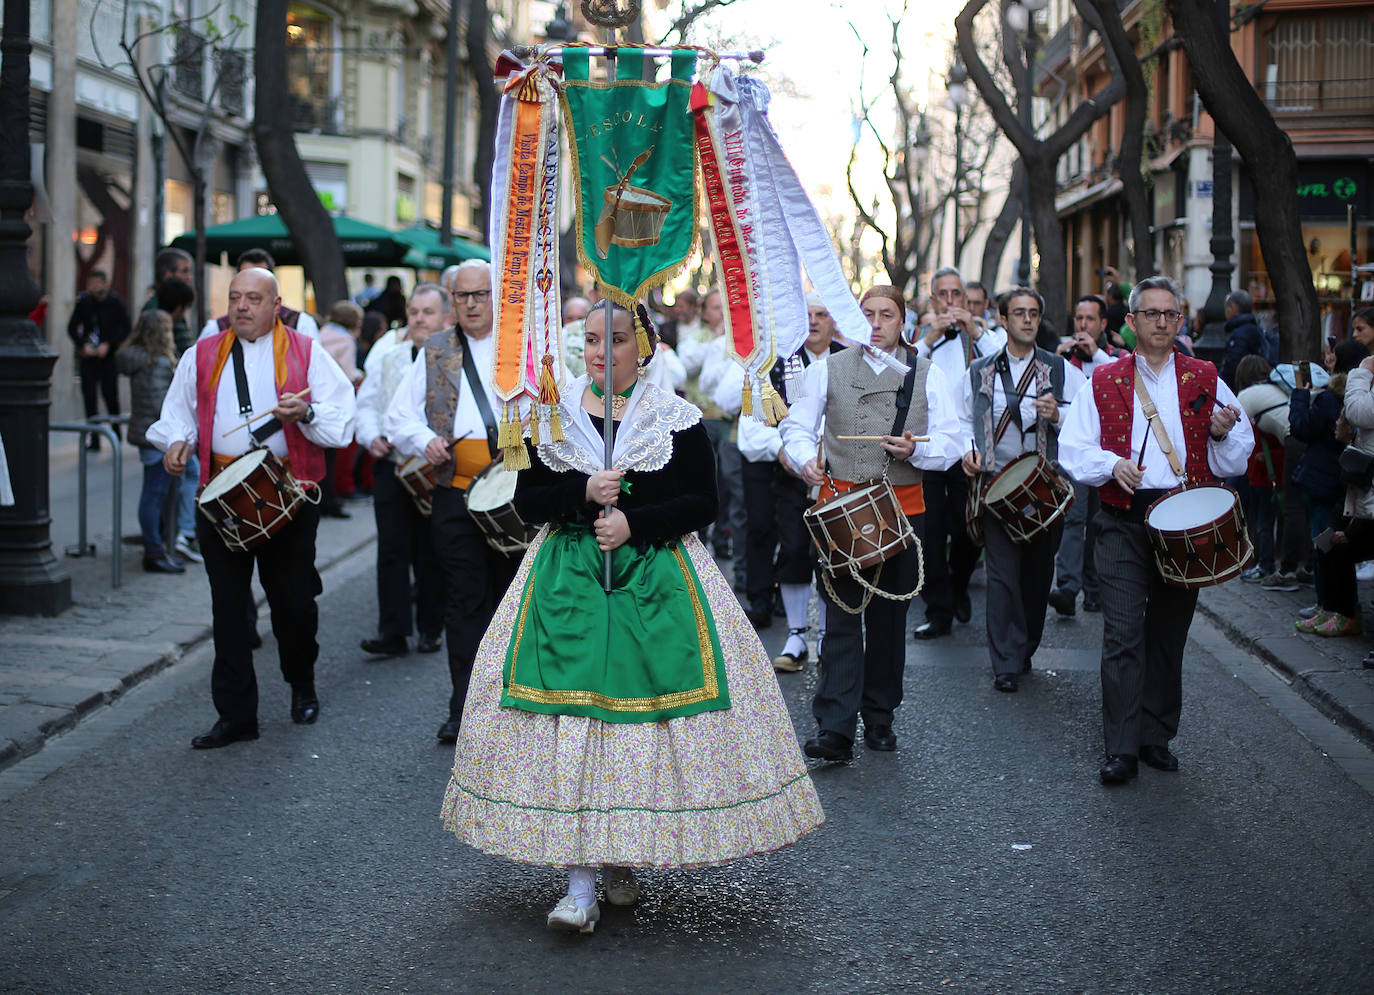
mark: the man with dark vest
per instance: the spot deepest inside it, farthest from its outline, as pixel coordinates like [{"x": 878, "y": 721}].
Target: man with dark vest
[
  {"x": 952, "y": 340},
  {"x": 775, "y": 497},
  {"x": 404, "y": 547},
  {"x": 858, "y": 392},
  {"x": 1010, "y": 404},
  {"x": 256, "y": 366},
  {"x": 1151, "y": 422},
  {"x": 297, "y": 320},
  {"x": 445, "y": 410}
]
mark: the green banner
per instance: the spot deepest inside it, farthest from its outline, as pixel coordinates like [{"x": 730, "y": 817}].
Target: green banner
[{"x": 632, "y": 169}]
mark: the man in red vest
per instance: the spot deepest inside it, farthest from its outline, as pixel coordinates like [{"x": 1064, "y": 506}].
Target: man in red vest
[
  {"x": 1152, "y": 422},
  {"x": 253, "y": 367}
]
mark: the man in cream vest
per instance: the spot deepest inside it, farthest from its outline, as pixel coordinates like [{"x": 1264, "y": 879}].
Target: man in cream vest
[
  {"x": 858, "y": 392},
  {"x": 445, "y": 409}
]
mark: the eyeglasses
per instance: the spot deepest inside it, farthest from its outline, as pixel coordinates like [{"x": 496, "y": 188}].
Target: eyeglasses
[
  {"x": 1152, "y": 315},
  {"x": 476, "y": 296},
  {"x": 1025, "y": 312}
]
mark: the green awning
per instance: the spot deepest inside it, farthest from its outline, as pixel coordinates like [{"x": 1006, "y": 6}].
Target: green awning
[
  {"x": 363, "y": 244},
  {"x": 426, "y": 252}
]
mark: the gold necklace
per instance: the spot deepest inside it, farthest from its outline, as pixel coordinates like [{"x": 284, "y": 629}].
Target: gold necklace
[{"x": 618, "y": 402}]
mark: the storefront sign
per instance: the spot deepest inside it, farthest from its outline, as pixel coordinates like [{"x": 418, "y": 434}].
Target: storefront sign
[{"x": 1326, "y": 188}]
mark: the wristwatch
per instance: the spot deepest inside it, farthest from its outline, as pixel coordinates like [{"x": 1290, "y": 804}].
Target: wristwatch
[{"x": 309, "y": 415}]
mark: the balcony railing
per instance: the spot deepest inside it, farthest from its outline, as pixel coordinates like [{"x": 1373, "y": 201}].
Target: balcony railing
[
  {"x": 320, "y": 115},
  {"x": 189, "y": 62},
  {"x": 233, "y": 74},
  {"x": 1353, "y": 96}
]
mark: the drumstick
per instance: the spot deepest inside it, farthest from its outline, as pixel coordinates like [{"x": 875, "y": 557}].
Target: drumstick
[
  {"x": 877, "y": 438},
  {"x": 1140, "y": 460},
  {"x": 259, "y": 417}
]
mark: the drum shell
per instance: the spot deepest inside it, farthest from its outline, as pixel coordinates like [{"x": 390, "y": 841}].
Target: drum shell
[
  {"x": 502, "y": 527},
  {"x": 859, "y": 528},
  {"x": 417, "y": 477},
  {"x": 1180, "y": 553},
  {"x": 257, "y": 507},
  {"x": 1034, "y": 504}
]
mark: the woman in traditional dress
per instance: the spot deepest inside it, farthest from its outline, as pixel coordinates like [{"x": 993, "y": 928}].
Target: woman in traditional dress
[{"x": 641, "y": 727}]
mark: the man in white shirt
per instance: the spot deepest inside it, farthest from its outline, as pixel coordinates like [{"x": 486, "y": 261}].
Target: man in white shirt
[
  {"x": 1073, "y": 564},
  {"x": 951, "y": 341},
  {"x": 404, "y": 549},
  {"x": 847, "y": 395},
  {"x": 262, "y": 259},
  {"x": 1010, "y": 404},
  {"x": 1109, "y": 443},
  {"x": 445, "y": 410},
  {"x": 255, "y": 366}
]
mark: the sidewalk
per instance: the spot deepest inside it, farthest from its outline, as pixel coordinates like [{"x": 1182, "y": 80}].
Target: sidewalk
[
  {"x": 55, "y": 671},
  {"x": 1326, "y": 672}
]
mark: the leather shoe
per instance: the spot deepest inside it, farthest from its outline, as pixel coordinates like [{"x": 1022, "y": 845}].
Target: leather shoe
[
  {"x": 428, "y": 644},
  {"x": 163, "y": 564},
  {"x": 255, "y": 640},
  {"x": 786, "y": 663},
  {"x": 1118, "y": 769},
  {"x": 1006, "y": 682},
  {"x": 334, "y": 511},
  {"x": 1158, "y": 757},
  {"x": 931, "y": 630},
  {"x": 880, "y": 738},
  {"x": 829, "y": 746},
  {"x": 305, "y": 706},
  {"x": 963, "y": 607},
  {"x": 1062, "y": 601},
  {"x": 225, "y": 732},
  {"x": 382, "y": 646},
  {"x": 448, "y": 732},
  {"x": 1091, "y": 605}
]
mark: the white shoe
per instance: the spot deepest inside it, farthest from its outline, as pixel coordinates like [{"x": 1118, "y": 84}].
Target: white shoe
[
  {"x": 621, "y": 886},
  {"x": 187, "y": 549},
  {"x": 568, "y": 917}
]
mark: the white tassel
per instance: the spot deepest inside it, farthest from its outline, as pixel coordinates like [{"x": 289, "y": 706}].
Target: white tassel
[{"x": 793, "y": 373}]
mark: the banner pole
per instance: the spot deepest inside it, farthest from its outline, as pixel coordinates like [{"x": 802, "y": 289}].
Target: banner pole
[{"x": 609, "y": 398}]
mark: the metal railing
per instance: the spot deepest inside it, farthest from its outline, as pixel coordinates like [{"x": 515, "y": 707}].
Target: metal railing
[{"x": 99, "y": 425}]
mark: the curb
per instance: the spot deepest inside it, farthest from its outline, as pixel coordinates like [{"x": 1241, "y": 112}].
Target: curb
[
  {"x": 14, "y": 750},
  {"x": 1318, "y": 697}
]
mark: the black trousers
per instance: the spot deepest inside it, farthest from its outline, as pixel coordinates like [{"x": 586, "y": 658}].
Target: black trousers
[
  {"x": 1340, "y": 590},
  {"x": 950, "y": 554},
  {"x": 778, "y": 548},
  {"x": 404, "y": 551},
  {"x": 99, "y": 376},
  {"x": 286, "y": 567},
  {"x": 476, "y": 577},
  {"x": 1145, "y": 627},
  {"x": 865, "y": 655},
  {"x": 1019, "y": 576}
]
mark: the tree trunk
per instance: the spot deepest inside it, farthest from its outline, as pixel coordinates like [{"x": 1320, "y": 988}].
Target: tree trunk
[
  {"x": 1133, "y": 139},
  {"x": 1237, "y": 109},
  {"x": 488, "y": 104},
  {"x": 288, "y": 183},
  {"x": 1001, "y": 230},
  {"x": 1052, "y": 275},
  {"x": 203, "y": 310}
]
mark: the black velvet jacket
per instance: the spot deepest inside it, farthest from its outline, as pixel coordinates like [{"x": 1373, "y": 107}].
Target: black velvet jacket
[{"x": 661, "y": 506}]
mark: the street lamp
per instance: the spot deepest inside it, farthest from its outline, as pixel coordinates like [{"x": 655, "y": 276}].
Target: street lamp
[
  {"x": 956, "y": 86},
  {"x": 1020, "y": 16},
  {"x": 1212, "y": 342},
  {"x": 560, "y": 26}
]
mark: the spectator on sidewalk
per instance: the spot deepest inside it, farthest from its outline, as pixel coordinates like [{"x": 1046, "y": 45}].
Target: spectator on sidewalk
[
  {"x": 148, "y": 359},
  {"x": 98, "y": 325},
  {"x": 1312, "y": 418},
  {"x": 1243, "y": 336},
  {"x": 175, "y": 297},
  {"x": 1362, "y": 328},
  {"x": 1352, "y": 537},
  {"x": 391, "y": 302},
  {"x": 339, "y": 338},
  {"x": 1267, "y": 408}
]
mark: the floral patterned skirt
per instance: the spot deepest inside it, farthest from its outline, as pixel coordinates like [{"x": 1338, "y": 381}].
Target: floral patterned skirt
[{"x": 688, "y": 792}]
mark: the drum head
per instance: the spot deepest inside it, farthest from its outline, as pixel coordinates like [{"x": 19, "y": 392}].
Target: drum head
[
  {"x": 412, "y": 465},
  {"x": 233, "y": 475},
  {"x": 492, "y": 488},
  {"x": 1013, "y": 475},
  {"x": 1189, "y": 509}
]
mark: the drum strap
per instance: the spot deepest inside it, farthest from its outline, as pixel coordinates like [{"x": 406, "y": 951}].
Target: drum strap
[
  {"x": 1157, "y": 425},
  {"x": 904, "y": 398},
  {"x": 1012, "y": 396},
  {"x": 268, "y": 428},
  {"x": 479, "y": 395}
]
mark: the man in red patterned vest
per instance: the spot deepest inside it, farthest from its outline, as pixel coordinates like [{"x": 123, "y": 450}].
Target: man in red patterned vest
[
  {"x": 1152, "y": 421},
  {"x": 257, "y": 384}
]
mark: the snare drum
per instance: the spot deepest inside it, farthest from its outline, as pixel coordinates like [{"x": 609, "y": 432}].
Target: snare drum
[
  {"x": 1198, "y": 536},
  {"x": 416, "y": 475},
  {"x": 251, "y": 499},
  {"x": 859, "y": 528},
  {"x": 490, "y": 500},
  {"x": 1028, "y": 496}
]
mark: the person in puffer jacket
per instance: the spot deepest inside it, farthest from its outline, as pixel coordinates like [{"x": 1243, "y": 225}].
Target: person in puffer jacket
[{"x": 148, "y": 359}]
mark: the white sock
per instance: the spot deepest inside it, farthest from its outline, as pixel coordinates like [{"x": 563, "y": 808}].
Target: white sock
[
  {"x": 796, "y": 644},
  {"x": 794, "y": 600},
  {"x": 820, "y": 634},
  {"x": 582, "y": 886}
]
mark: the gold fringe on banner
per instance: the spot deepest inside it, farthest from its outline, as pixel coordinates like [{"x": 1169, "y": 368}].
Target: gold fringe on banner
[
  {"x": 746, "y": 400},
  {"x": 774, "y": 407}
]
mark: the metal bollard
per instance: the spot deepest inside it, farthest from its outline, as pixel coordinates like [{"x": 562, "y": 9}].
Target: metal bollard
[{"x": 96, "y": 427}]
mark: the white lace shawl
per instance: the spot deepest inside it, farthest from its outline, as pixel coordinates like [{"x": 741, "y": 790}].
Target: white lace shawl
[{"x": 643, "y": 437}]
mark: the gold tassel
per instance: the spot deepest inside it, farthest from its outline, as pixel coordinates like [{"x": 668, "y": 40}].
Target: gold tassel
[
  {"x": 548, "y": 386},
  {"x": 642, "y": 338},
  {"x": 517, "y": 457},
  {"x": 774, "y": 407},
  {"x": 746, "y": 400},
  {"x": 555, "y": 425},
  {"x": 503, "y": 429},
  {"x": 534, "y": 431}
]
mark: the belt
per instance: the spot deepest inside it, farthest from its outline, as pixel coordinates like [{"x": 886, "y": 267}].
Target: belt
[
  {"x": 1140, "y": 504},
  {"x": 218, "y": 461}
]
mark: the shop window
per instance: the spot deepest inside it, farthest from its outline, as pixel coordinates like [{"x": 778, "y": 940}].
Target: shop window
[
  {"x": 311, "y": 78},
  {"x": 1320, "y": 63}
]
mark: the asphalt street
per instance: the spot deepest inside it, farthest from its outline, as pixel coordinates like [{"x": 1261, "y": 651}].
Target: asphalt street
[{"x": 983, "y": 856}]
